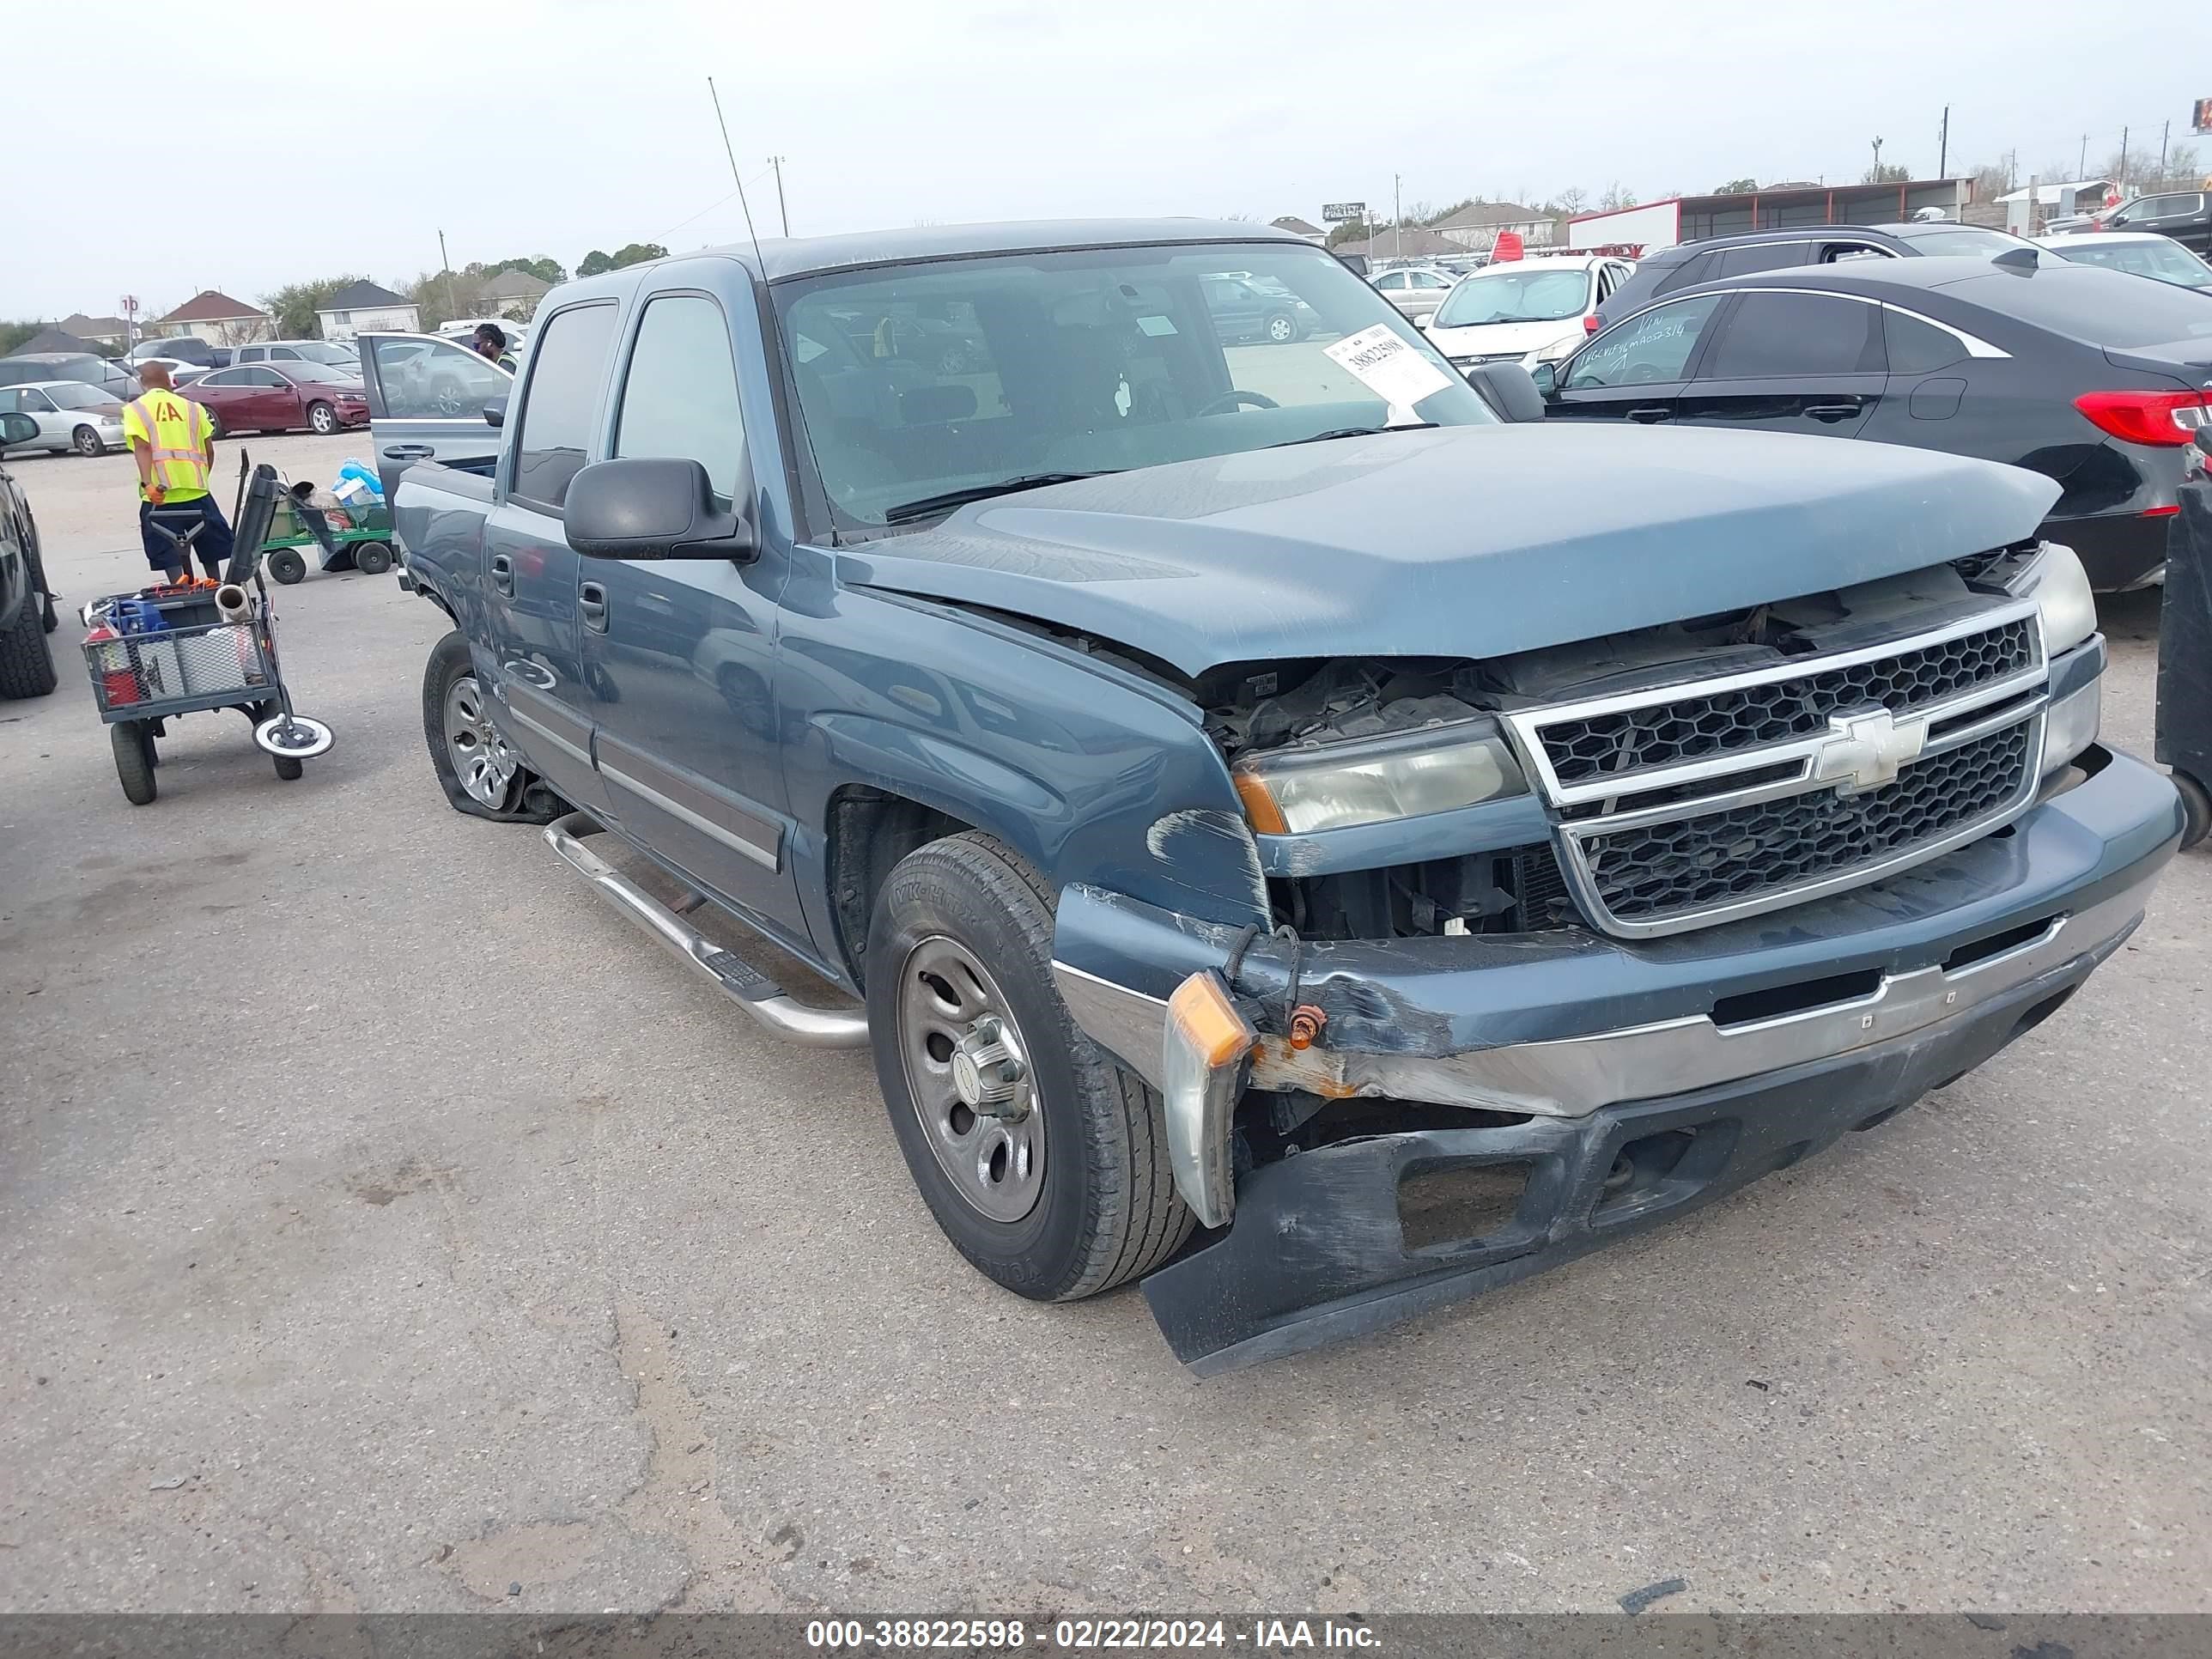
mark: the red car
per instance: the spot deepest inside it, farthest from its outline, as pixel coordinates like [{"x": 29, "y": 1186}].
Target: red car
[{"x": 281, "y": 397}]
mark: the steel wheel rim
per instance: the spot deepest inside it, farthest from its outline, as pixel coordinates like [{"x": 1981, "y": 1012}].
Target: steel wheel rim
[
  {"x": 482, "y": 760},
  {"x": 995, "y": 1162}
]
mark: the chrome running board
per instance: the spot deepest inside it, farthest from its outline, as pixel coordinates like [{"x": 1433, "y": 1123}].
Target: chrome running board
[{"x": 737, "y": 979}]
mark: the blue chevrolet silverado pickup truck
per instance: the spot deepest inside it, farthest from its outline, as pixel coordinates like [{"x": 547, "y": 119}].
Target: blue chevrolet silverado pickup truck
[{"x": 1296, "y": 829}]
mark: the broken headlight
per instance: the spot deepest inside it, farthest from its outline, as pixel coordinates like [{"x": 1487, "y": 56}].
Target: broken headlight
[
  {"x": 2060, "y": 588},
  {"x": 1333, "y": 785}
]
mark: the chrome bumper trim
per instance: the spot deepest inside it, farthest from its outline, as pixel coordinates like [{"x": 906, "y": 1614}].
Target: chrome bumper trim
[{"x": 1572, "y": 1076}]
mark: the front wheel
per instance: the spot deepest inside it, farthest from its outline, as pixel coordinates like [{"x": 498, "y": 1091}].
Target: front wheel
[
  {"x": 372, "y": 558},
  {"x": 86, "y": 441},
  {"x": 1043, "y": 1163},
  {"x": 1282, "y": 328},
  {"x": 286, "y": 565},
  {"x": 322, "y": 419},
  {"x": 134, "y": 760}
]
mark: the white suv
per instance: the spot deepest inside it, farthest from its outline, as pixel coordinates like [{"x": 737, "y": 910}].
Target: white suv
[{"x": 1527, "y": 311}]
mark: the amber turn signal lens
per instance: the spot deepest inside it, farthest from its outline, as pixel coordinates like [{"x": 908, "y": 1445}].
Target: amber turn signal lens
[{"x": 1209, "y": 1026}]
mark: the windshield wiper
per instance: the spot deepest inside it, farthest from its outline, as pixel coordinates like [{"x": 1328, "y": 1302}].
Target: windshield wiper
[
  {"x": 1354, "y": 431},
  {"x": 947, "y": 500}
]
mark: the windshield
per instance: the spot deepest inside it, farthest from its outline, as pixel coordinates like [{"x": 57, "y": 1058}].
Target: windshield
[
  {"x": 1957, "y": 241},
  {"x": 321, "y": 374},
  {"x": 1530, "y": 295},
  {"x": 75, "y": 394},
  {"x": 961, "y": 375},
  {"x": 2169, "y": 262}
]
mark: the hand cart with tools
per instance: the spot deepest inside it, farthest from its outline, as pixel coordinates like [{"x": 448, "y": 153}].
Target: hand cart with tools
[
  {"x": 164, "y": 651},
  {"x": 349, "y": 538}
]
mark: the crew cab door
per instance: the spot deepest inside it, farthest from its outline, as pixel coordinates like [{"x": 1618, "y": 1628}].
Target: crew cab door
[
  {"x": 1787, "y": 359},
  {"x": 530, "y": 572},
  {"x": 426, "y": 402},
  {"x": 1636, "y": 370},
  {"x": 682, "y": 650}
]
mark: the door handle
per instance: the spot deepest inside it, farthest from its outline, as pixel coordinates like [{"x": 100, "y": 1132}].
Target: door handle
[
  {"x": 1651, "y": 414},
  {"x": 407, "y": 452},
  {"x": 502, "y": 574},
  {"x": 1842, "y": 411},
  {"x": 591, "y": 602}
]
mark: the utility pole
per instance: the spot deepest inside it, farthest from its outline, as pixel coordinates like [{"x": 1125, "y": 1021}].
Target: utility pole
[
  {"x": 1877, "y": 162},
  {"x": 2082, "y": 168},
  {"x": 1943, "y": 147},
  {"x": 776, "y": 161},
  {"x": 1397, "y": 220},
  {"x": 2164, "y": 132},
  {"x": 2123, "y": 181},
  {"x": 452, "y": 306}
]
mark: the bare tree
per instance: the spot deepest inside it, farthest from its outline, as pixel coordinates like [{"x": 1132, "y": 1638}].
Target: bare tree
[
  {"x": 1616, "y": 195},
  {"x": 1571, "y": 200}
]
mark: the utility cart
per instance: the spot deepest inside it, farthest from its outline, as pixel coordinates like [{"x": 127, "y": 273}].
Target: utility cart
[
  {"x": 162, "y": 653},
  {"x": 349, "y": 538}
]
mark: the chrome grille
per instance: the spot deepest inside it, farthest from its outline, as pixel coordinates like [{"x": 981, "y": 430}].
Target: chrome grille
[
  {"x": 1664, "y": 870},
  {"x": 1748, "y": 716},
  {"x": 1684, "y": 805}
]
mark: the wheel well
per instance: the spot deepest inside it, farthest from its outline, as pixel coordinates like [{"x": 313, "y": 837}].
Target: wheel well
[{"x": 869, "y": 831}]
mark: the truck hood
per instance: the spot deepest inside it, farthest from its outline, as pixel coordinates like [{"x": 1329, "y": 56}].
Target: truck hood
[{"x": 1457, "y": 542}]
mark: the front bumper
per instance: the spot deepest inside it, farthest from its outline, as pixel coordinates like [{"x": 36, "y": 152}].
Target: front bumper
[{"x": 1884, "y": 993}]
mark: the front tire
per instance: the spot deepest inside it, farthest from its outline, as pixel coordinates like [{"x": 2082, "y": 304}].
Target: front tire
[
  {"x": 1059, "y": 1188},
  {"x": 1282, "y": 328},
  {"x": 322, "y": 420},
  {"x": 86, "y": 441},
  {"x": 372, "y": 558},
  {"x": 134, "y": 760},
  {"x": 286, "y": 565},
  {"x": 27, "y": 667}
]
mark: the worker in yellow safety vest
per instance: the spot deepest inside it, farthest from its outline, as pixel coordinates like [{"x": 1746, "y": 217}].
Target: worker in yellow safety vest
[{"x": 173, "y": 440}]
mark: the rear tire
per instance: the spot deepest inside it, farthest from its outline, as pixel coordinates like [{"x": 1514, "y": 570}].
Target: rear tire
[
  {"x": 134, "y": 760},
  {"x": 27, "y": 667},
  {"x": 372, "y": 558},
  {"x": 322, "y": 420},
  {"x": 286, "y": 565},
  {"x": 1100, "y": 1207},
  {"x": 449, "y": 680},
  {"x": 2196, "y": 806}
]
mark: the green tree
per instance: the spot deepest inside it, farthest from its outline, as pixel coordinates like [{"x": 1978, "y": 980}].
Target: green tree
[
  {"x": 544, "y": 268},
  {"x": 1889, "y": 173},
  {"x": 14, "y": 334},
  {"x": 442, "y": 295},
  {"x": 1350, "y": 230},
  {"x": 631, "y": 253},
  {"x": 294, "y": 306},
  {"x": 1736, "y": 187}
]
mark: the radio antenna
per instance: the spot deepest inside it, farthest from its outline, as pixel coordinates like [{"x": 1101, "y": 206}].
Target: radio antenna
[{"x": 733, "y": 155}]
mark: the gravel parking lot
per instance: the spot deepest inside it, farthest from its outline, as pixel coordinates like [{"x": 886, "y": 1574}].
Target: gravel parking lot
[{"x": 389, "y": 1226}]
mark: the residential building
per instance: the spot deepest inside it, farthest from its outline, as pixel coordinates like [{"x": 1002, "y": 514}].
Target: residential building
[
  {"x": 1475, "y": 228},
  {"x": 100, "y": 330},
  {"x": 216, "y": 317},
  {"x": 57, "y": 339},
  {"x": 1405, "y": 242},
  {"x": 512, "y": 294},
  {"x": 366, "y": 307},
  {"x": 1297, "y": 226}
]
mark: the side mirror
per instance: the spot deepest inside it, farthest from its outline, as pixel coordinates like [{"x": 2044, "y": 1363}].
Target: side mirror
[
  {"x": 1424, "y": 324},
  {"x": 496, "y": 413},
  {"x": 652, "y": 507},
  {"x": 17, "y": 429},
  {"x": 1510, "y": 389},
  {"x": 1544, "y": 377}
]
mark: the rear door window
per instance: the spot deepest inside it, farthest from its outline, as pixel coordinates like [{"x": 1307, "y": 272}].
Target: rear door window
[
  {"x": 566, "y": 371},
  {"x": 680, "y": 396},
  {"x": 1770, "y": 335},
  {"x": 1762, "y": 256}
]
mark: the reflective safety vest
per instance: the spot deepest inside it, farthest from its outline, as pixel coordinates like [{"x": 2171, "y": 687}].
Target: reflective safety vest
[{"x": 175, "y": 428}]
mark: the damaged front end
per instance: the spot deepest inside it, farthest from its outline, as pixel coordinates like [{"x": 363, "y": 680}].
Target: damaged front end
[{"x": 1566, "y": 944}]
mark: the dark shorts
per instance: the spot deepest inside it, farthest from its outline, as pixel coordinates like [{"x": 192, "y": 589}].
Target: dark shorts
[{"x": 212, "y": 544}]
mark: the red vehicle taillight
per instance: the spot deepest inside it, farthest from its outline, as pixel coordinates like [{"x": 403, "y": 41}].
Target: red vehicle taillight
[
  {"x": 2166, "y": 418},
  {"x": 1590, "y": 323}
]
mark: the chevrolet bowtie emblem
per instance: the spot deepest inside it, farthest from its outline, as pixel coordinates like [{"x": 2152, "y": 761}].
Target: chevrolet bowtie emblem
[{"x": 1865, "y": 751}]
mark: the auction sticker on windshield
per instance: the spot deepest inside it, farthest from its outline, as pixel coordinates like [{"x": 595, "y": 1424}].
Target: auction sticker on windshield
[{"x": 1387, "y": 365}]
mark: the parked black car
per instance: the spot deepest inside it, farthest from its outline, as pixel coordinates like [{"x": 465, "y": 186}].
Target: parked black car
[
  {"x": 114, "y": 379},
  {"x": 2185, "y": 216},
  {"x": 2092, "y": 378},
  {"x": 26, "y": 604},
  {"x": 1673, "y": 269}
]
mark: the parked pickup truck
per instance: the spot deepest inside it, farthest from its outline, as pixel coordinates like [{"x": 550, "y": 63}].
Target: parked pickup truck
[
  {"x": 1295, "y": 837},
  {"x": 27, "y": 603}
]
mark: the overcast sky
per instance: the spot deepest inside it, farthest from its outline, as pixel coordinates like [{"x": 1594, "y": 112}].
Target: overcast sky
[{"x": 336, "y": 139}]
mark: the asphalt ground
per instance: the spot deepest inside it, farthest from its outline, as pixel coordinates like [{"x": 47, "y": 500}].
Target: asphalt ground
[{"x": 384, "y": 1224}]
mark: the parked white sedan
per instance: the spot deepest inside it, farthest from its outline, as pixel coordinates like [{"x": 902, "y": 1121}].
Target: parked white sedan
[
  {"x": 1417, "y": 290},
  {"x": 70, "y": 415}
]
